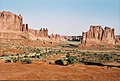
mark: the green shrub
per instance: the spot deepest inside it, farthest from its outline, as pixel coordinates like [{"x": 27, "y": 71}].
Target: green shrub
[
  {"x": 59, "y": 62},
  {"x": 36, "y": 50},
  {"x": 25, "y": 56},
  {"x": 7, "y": 60},
  {"x": 70, "y": 59},
  {"x": 32, "y": 56},
  {"x": 41, "y": 54},
  {"x": 26, "y": 60},
  {"x": 37, "y": 56},
  {"x": 105, "y": 57},
  {"x": 15, "y": 59}
]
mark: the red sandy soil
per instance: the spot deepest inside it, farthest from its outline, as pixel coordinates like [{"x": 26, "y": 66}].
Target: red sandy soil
[{"x": 44, "y": 71}]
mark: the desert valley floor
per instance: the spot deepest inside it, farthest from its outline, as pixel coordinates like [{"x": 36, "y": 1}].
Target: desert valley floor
[
  {"x": 44, "y": 71},
  {"x": 43, "y": 66}
]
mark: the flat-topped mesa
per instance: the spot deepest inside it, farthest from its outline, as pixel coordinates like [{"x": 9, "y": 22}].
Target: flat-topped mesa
[
  {"x": 96, "y": 36},
  {"x": 10, "y": 21},
  {"x": 39, "y": 33}
]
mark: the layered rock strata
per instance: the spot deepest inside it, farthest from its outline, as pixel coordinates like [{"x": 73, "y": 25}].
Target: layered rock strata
[
  {"x": 39, "y": 33},
  {"x": 12, "y": 27},
  {"x": 98, "y": 36}
]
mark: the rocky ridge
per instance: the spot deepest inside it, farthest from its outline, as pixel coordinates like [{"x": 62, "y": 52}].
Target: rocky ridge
[{"x": 12, "y": 27}]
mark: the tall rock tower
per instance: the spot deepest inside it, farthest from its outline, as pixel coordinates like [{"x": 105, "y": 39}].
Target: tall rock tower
[{"x": 97, "y": 36}]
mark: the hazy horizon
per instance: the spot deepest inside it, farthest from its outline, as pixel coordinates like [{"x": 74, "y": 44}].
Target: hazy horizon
[{"x": 66, "y": 17}]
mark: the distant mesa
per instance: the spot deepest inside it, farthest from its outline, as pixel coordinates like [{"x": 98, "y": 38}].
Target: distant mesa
[
  {"x": 73, "y": 38},
  {"x": 39, "y": 33}
]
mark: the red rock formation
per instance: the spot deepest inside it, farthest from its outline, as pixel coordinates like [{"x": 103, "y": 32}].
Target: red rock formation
[
  {"x": 10, "y": 21},
  {"x": 108, "y": 36},
  {"x": 24, "y": 28},
  {"x": 96, "y": 35},
  {"x": 12, "y": 27},
  {"x": 39, "y": 33},
  {"x": 54, "y": 37},
  {"x": 117, "y": 39}
]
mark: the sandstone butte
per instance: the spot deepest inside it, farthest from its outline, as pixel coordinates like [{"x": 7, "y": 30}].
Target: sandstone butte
[
  {"x": 99, "y": 36},
  {"x": 13, "y": 28}
]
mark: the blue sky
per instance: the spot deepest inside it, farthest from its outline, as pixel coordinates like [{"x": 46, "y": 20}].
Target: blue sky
[{"x": 66, "y": 17}]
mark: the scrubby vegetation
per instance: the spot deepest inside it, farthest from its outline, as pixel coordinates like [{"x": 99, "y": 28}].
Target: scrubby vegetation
[
  {"x": 59, "y": 62},
  {"x": 70, "y": 59},
  {"x": 15, "y": 59},
  {"x": 60, "y": 55},
  {"x": 26, "y": 60},
  {"x": 7, "y": 60}
]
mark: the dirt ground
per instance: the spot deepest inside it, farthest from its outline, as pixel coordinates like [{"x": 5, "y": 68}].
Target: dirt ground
[{"x": 44, "y": 71}]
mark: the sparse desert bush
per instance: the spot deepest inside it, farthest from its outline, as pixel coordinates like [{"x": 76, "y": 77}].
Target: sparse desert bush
[
  {"x": 117, "y": 60},
  {"x": 36, "y": 50},
  {"x": 41, "y": 54},
  {"x": 7, "y": 60},
  {"x": 37, "y": 56},
  {"x": 32, "y": 56},
  {"x": 25, "y": 56},
  {"x": 70, "y": 59},
  {"x": 15, "y": 59},
  {"x": 105, "y": 57},
  {"x": 59, "y": 51},
  {"x": 68, "y": 52},
  {"x": 59, "y": 62},
  {"x": 26, "y": 60}
]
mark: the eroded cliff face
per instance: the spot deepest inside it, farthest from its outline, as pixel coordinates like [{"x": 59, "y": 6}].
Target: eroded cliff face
[
  {"x": 117, "y": 39},
  {"x": 57, "y": 38},
  {"x": 10, "y": 21},
  {"x": 12, "y": 27},
  {"x": 39, "y": 33},
  {"x": 54, "y": 36},
  {"x": 99, "y": 36},
  {"x": 108, "y": 36}
]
